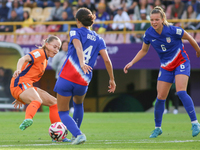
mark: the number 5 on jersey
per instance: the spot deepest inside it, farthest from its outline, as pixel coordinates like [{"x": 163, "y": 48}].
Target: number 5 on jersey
[{"x": 87, "y": 54}]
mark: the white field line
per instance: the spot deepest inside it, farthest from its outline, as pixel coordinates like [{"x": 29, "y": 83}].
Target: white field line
[{"x": 104, "y": 141}]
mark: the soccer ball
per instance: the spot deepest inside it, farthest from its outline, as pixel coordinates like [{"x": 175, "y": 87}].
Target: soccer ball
[{"x": 58, "y": 131}]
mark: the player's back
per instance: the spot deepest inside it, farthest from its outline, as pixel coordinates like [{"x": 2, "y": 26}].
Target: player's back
[{"x": 92, "y": 43}]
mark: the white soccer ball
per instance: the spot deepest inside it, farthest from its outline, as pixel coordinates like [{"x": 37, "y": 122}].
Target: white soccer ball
[{"x": 58, "y": 131}]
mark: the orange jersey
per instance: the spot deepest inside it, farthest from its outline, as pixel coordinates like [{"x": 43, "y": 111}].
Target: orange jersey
[{"x": 32, "y": 71}]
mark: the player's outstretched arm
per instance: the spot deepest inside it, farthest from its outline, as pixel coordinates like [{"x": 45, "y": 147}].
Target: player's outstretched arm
[
  {"x": 109, "y": 68},
  {"x": 139, "y": 56},
  {"x": 20, "y": 63},
  {"x": 79, "y": 51},
  {"x": 194, "y": 44}
]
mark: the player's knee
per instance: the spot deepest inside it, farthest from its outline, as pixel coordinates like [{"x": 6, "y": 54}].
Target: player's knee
[{"x": 162, "y": 97}]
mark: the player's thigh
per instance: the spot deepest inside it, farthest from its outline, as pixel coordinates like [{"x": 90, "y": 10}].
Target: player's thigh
[
  {"x": 163, "y": 89},
  {"x": 47, "y": 99},
  {"x": 63, "y": 102},
  {"x": 30, "y": 95},
  {"x": 182, "y": 74},
  {"x": 181, "y": 82}
]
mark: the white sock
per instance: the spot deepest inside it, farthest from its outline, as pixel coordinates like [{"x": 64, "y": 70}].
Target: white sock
[
  {"x": 157, "y": 127},
  {"x": 196, "y": 121}
]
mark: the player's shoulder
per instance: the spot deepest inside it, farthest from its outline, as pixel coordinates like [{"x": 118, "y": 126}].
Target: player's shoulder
[
  {"x": 174, "y": 30},
  {"x": 37, "y": 53},
  {"x": 148, "y": 32}
]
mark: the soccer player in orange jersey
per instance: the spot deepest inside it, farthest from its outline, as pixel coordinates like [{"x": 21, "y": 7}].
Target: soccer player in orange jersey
[{"x": 30, "y": 69}]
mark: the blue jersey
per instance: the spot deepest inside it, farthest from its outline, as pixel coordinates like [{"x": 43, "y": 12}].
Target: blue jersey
[
  {"x": 92, "y": 44},
  {"x": 168, "y": 45}
]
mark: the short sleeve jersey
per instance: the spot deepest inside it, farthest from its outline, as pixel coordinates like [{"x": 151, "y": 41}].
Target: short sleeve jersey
[
  {"x": 92, "y": 43},
  {"x": 168, "y": 45},
  {"x": 32, "y": 71}
]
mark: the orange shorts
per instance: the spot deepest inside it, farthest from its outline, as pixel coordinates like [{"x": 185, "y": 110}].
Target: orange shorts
[{"x": 17, "y": 90}]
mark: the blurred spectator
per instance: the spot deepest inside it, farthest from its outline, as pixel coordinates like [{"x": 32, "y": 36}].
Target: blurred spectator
[
  {"x": 90, "y": 6},
  {"x": 177, "y": 9},
  {"x": 74, "y": 10},
  {"x": 101, "y": 15},
  {"x": 56, "y": 12},
  {"x": 26, "y": 27},
  {"x": 194, "y": 4},
  {"x": 14, "y": 18},
  {"x": 5, "y": 77},
  {"x": 45, "y": 3},
  {"x": 30, "y": 3},
  {"x": 144, "y": 7},
  {"x": 121, "y": 16},
  {"x": 115, "y": 4},
  {"x": 159, "y": 3},
  {"x": 64, "y": 27},
  {"x": 18, "y": 8},
  {"x": 67, "y": 7},
  {"x": 189, "y": 14},
  {"x": 198, "y": 9},
  {"x": 59, "y": 58},
  {"x": 27, "y": 20},
  {"x": 138, "y": 38},
  {"x": 4, "y": 10},
  {"x": 130, "y": 6},
  {"x": 167, "y": 2},
  {"x": 80, "y": 3}
]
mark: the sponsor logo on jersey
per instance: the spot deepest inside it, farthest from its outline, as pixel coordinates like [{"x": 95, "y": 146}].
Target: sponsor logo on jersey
[
  {"x": 72, "y": 33},
  {"x": 178, "y": 31},
  {"x": 36, "y": 54},
  {"x": 168, "y": 40}
]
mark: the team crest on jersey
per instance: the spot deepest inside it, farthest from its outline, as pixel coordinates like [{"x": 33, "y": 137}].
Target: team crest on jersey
[{"x": 168, "y": 39}]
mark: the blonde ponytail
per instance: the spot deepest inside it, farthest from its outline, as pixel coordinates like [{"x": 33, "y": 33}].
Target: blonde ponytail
[{"x": 160, "y": 10}]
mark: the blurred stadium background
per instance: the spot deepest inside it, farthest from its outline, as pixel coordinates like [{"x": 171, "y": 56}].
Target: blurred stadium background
[{"x": 25, "y": 23}]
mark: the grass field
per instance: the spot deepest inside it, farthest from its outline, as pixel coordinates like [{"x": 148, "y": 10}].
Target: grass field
[{"x": 110, "y": 131}]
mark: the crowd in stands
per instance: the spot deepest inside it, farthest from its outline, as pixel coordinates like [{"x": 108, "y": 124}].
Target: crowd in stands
[{"x": 28, "y": 11}]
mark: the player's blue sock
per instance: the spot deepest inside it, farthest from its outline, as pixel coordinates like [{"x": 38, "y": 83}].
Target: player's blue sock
[
  {"x": 69, "y": 123},
  {"x": 158, "y": 111},
  {"x": 188, "y": 104},
  {"x": 78, "y": 113}
]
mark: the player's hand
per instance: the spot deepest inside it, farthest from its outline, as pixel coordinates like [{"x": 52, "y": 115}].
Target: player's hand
[
  {"x": 127, "y": 67},
  {"x": 198, "y": 54},
  {"x": 86, "y": 69},
  {"x": 16, "y": 73},
  {"x": 112, "y": 86},
  {"x": 17, "y": 103}
]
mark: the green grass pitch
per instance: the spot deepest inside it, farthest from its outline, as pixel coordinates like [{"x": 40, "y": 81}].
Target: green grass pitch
[{"x": 104, "y": 131}]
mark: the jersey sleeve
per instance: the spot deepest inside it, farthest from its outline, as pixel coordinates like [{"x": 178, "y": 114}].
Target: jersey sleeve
[
  {"x": 145, "y": 38},
  {"x": 36, "y": 56},
  {"x": 177, "y": 32},
  {"x": 102, "y": 44},
  {"x": 74, "y": 35}
]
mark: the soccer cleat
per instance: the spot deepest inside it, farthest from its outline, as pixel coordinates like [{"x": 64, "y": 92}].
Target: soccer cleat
[
  {"x": 73, "y": 138},
  {"x": 195, "y": 129},
  {"x": 65, "y": 140},
  {"x": 80, "y": 139},
  {"x": 156, "y": 133},
  {"x": 25, "y": 124}
]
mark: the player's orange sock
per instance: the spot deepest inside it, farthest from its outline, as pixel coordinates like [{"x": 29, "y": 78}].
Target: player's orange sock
[
  {"x": 32, "y": 109},
  {"x": 53, "y": 114}
]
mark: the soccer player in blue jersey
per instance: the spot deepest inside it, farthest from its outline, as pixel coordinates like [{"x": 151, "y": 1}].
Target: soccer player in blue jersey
[
  {"x": 175, "y": 65},
  {"x": 76, "y": 72}
]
